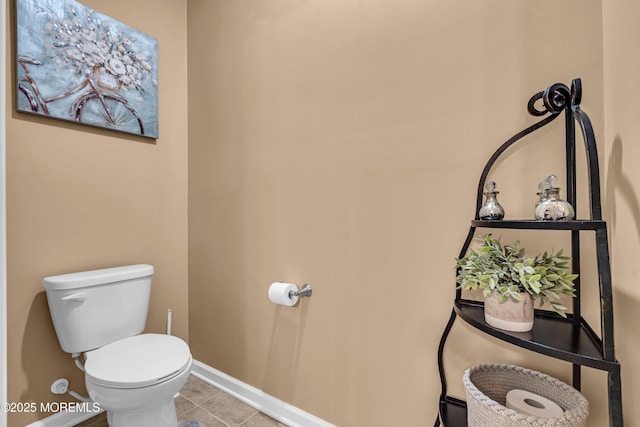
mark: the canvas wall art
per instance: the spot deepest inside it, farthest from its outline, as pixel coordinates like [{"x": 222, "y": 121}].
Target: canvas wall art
[{"x": 74, "y": 63}]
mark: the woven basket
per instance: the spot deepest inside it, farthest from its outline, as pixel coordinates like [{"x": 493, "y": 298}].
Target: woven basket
[{"x": 487, "y": 386}]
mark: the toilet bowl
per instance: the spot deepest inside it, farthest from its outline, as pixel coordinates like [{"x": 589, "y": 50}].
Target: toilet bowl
[
  {"x": 133, "y": 376},
  {"x": 136, "y": 379}
]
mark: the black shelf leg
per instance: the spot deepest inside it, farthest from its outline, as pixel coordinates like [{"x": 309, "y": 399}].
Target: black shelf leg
[
  {"x": 615, "y": 398},
  {"x": 443, "y": 340}
]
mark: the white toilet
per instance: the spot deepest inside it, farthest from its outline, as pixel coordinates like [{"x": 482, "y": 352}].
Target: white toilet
[{"x": 100, "y": 313}]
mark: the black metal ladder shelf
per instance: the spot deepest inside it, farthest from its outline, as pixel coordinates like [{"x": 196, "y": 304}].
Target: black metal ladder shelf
[{"x": 570, "y": 339}]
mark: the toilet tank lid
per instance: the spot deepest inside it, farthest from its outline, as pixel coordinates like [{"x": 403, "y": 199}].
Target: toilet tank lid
[{"x": 85, "y": 279}]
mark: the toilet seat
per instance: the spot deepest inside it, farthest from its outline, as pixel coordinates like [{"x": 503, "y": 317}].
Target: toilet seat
[{"x": 138, "y": 361}]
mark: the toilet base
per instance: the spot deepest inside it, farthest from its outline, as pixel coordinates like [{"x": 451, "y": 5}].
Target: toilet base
[
  {"x": 151, "y": 406},
  {"x": 161, "y": 415}
]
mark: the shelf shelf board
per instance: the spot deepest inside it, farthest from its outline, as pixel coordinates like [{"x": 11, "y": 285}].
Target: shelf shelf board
[
  {"x": 453, "y": 412},
  {"x": 552, "y": 335},
  {"x": 579, "y": 224}
]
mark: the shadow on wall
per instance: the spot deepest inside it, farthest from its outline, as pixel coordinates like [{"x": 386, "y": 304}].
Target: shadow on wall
[
  {"x": 626, "y": 304},
  {"x": 283, "y": 357},
  {"x": 618, "y": 182},
  {"x": 628, "y": 352},
  {"x": 40, "y": 344}
]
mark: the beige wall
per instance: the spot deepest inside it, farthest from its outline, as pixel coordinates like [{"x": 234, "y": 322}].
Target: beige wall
[
  {"x": 622, "y": 106},
  {"x": 80, "y": 198},
  {"x": 331, "y": 142},
  {"x": 339, "y": 143}
]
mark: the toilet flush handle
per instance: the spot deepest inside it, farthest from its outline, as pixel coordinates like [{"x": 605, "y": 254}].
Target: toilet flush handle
[{"x": 74, "y": 297}]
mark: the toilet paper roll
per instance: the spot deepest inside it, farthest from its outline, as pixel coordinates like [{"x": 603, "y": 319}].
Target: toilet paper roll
[
  {"x": 533, "y": 404},
  {"x": 279, "y": 293}
]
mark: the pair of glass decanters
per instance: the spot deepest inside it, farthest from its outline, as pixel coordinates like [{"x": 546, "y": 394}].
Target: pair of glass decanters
[{"x": 550, "y": 207}]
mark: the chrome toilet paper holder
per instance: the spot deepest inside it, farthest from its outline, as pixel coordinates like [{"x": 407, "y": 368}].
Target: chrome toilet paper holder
[{"x": 304, "y": 291}]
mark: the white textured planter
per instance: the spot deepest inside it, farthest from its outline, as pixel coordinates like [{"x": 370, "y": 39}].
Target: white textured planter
[{"x": 511, "y": 315}]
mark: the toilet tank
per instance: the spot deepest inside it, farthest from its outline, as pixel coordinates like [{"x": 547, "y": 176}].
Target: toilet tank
[{"x": 91, "y": 309}]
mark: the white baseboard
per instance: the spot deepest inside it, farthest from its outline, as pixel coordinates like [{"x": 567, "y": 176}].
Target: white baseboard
[
  {"x": 275, "y": 408},
  {"x": 64, "y": 419},
  {"x": 257, "y": 399}
]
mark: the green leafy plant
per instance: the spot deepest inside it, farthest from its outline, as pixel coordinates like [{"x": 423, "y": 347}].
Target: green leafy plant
[{"x": 504, "y": 270}]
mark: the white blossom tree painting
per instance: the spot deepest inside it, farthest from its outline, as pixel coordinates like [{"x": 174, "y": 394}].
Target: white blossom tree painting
[{"x": 74, "y": 63}]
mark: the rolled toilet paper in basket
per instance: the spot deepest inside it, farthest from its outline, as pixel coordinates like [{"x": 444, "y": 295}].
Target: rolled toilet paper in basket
[
  {"x": 533, "y": 404},
  {"x": 279, "y": 293}
]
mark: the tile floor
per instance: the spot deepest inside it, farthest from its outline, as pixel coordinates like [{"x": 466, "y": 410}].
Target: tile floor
[{"x": 210, "y": 406}]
